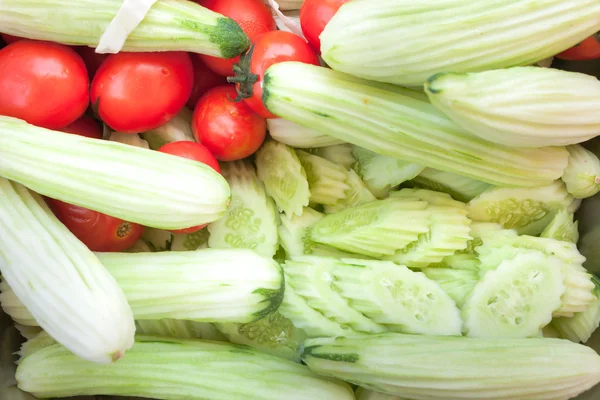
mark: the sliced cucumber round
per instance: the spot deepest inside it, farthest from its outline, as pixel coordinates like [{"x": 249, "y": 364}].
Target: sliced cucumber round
[{"x": 517, "y": 299}]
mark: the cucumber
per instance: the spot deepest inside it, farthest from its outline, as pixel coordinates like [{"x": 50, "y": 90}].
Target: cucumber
[
  {"x": 251, "y": 220},
  {"x": 528, "y": 211},
  {"x": 158, "y": 240},
  {"x": 396, "y": 297},
  {"x": 562, "y": 227},
  {"x": 281, "y": 172},
  {"x": 298, "y": 136},
  {"x": 176, "y": 130},
  {"x": 457, "y": 283},
  {"x": 311, "y": 321},
  {"x": 459, "y": 187},
  {"x": 326, "y": 180},
  {"x": 340, "y": 154},
  {"x": 312, "y": 278},
  {"x": 430, "y": 196},
  {"x": 517, "y": 299},
  {"x": 581, "y": 326},
  {"x": 366, "y": 394},
  {"x": 374, "y": 229},
  {"x": 582, "y": 175},
  {"x": 179, "y": 328},
  {"x": 274, "y": 334},
  {"x": 382, "y": 173},
  {"x": 357, "y": 194}
]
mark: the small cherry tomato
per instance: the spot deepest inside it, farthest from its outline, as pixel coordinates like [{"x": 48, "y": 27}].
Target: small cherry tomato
[
  {"x": 43, "y": 83},
  {"x": 92, "y": 59},
  {"x": 85, "y": 126},
  {"x": 589, "y": 49},
  {"x": 253, "y": 16},
  {"x": 270, "y": 48},
  {"x": 204, "y": 79},
  {"x": 8, "y": 39},
  {"x": 99, "y": 232},
  {"x": 314, "y": 16},
  {"x": 138, "y": 92},
  {"x": 193, "y": 151},
  {"x": 231, "y": 131}
]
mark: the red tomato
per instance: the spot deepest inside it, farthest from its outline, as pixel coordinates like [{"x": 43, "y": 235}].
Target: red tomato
[
  {"x": 253, "y": 16},
  {"x": 231, "y": 131},
  {"x": 314, "y": 15},
  {"x": 91, "y": 58},
  {"x": 589, "y": 49},
  {"x": 270, "y": 48},
  {"x": 193, "y": 151},
  {"x": 204, "y": 79},
  {"x": 99, "y": 232},
  {"x": 137, "y": 92},
  {"x": 85, "y": 126},
  {"x": 8, "y": 39},
  {"x": 43, "y": 83}
]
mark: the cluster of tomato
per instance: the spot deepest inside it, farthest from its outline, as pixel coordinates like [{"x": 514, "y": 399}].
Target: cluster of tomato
[{"x": 76, "y": 90}]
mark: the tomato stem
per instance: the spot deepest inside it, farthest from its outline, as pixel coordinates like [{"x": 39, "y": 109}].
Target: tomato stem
[{"x": 243, "y": 77}]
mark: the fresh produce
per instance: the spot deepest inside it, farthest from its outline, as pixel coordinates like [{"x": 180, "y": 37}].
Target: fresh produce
[
  {"x": 127, "y": 105},
  {"x": 581, "y": 326},
  {"x": 459, "y": 187},
  {"x": 170, "y": 25},
  {"x": 356, "y": 194},
  {"x": 314, "y": 16},
  {"x": 176, "y": 130},
  {"x": 204, "y": 79},
  {"x": 400, "y": 126},
  {"x": 231, "y": 131},
  {"x": 563, "y": 227},
  {"x": 63, "y": 285},
  {"x": 191, "y": 151},
  {"x": 253, "y": 16},
  {"x": 497, "y": 369},
  {"x": 195, "y": 369},
  {"x": 520, "y": 106},
  {"x": 392, "y": 41},
  {"x": 179, "y": 328},
  {"x": 582, "y": 175},
  {"x": 8, "y": 39},
  {"x": 588, "y": 49},
  {"x": 91, "y": 59},
  {"x": 366, "y": 394},
  {"x": 295, "y": 135},
  {"x": 52, "y": 85},
  {"x": 99, "y": 232},
  {"x": 340, "y": 154},
  {"x": 251, "y": 220},
  {"x": 129, "y": 183},
  {"x": 214, "y": 288},
  {"x": 270, "y": 48},
  {"x": 326, "y": 180},
  {"x": 84, "y": 126}
]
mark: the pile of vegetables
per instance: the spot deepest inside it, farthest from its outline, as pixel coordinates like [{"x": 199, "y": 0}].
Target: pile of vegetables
[{"x": 211, "y": 199}]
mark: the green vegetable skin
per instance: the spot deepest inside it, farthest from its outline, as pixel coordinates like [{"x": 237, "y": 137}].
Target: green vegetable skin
[
  {"x": 159, "y": 367},
  {"x": 137, "y": 185},
  {"x": 170, "y": 25},
  {"x": 388, "y": 120},
  {"x": 457, "y": 368}
]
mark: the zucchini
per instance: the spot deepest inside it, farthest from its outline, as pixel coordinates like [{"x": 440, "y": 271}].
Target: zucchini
[
  {"x": 374, "y": 229},
  {"x": 459, "y": 187},
  {"x": 457, "y": 368},
  {"x": 131, "y": 183},
  {"x": 388, "y": 120},
  {"x": 363, "y": 37},
  {"x": 326, "y": 180},
  {"x": 295, "y": 135},
  {"x": 169, "y": 25},
  {"x": 517, "y": 299},
  {"x": 562, "y": 227},
  {"x": 383, "y": 173},
  {"x": 280, "y": 170},
  {"x": 61, "y": 283},
  {"x": 582, "y": 175},
  {"x": 521, "y": 106},
  {"x": 251, "y": 220},
  {"x": 340, "y": 154},
  {"x": 176, "y": 368},
  {"x": 528, "y": 211}
]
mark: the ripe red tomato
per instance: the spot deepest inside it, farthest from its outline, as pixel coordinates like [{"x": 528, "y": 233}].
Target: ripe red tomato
[
  {"x": 43, "y": 83},
  {"x": 8, "y": 39},
  {"x": 589, "y": 49},
  {"x": 253, "y": 16},
  {"x": 270, "y": 48},
  {"x": 314, "y": 15},
  {"x": 204, "y": 79},
  {"x": 99, "y": 232},
  {"x": 193, "y": 151},
  {"x": 137, "y": 92},
  {"x": 231, "y": 131},
  {"x": 85, "y": 126},
  {"x": 92, "y": 59}
]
